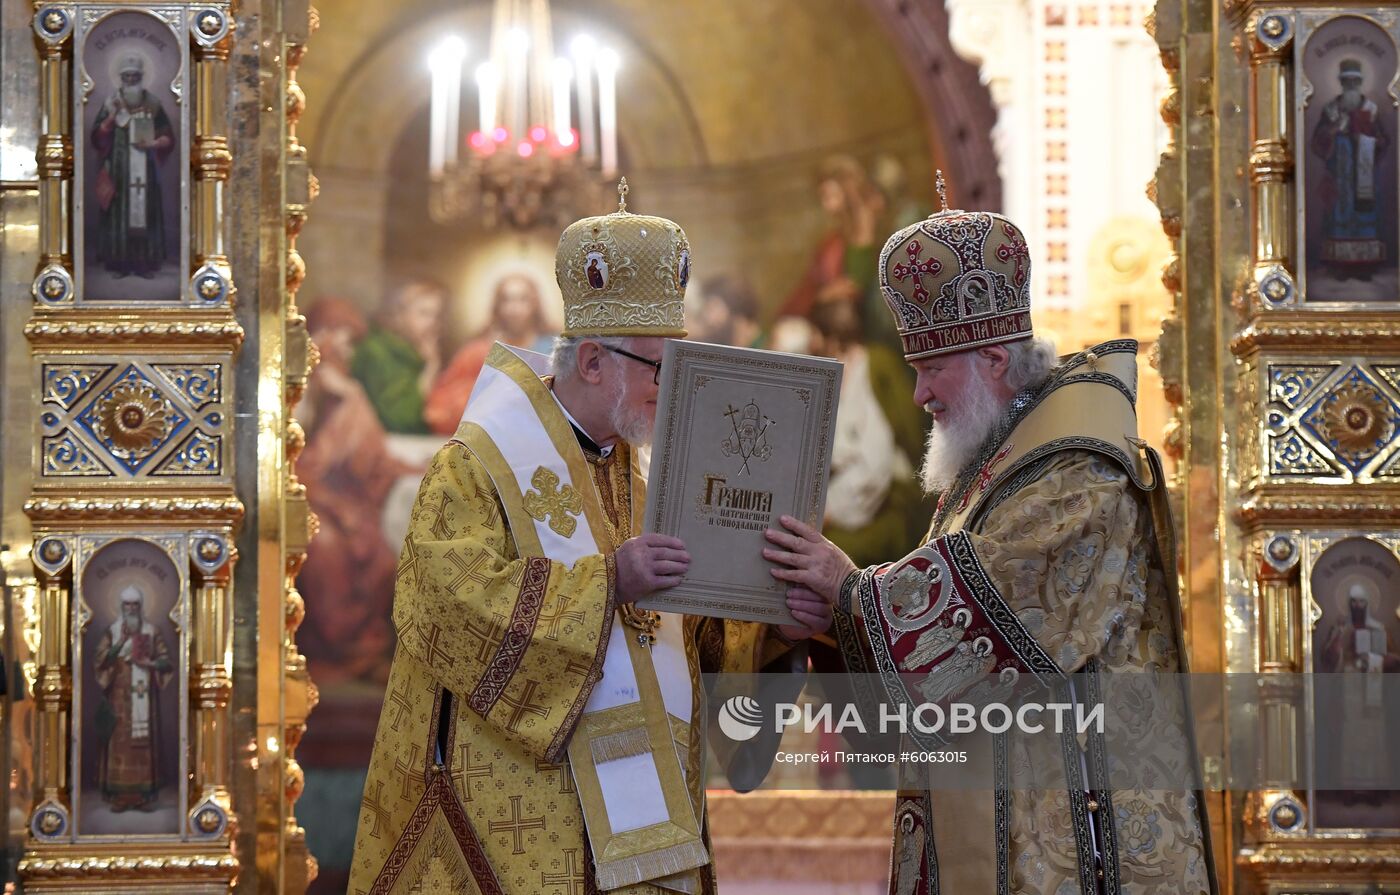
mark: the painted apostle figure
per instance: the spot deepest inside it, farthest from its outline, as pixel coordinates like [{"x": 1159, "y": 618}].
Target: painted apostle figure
[
  {"x": 133, "y": 665},
  {"x": 1046, "y": 518},
  {"x": 133, "y": 138},
  {"x": 399, "y": 358}
]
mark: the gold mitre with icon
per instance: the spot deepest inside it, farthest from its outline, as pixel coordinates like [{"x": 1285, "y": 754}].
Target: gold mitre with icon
[
  {"x": 957, "y": 280},
  {"x": 623, "y": 274}
]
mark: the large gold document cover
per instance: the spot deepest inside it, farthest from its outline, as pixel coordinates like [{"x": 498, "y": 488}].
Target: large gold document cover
[{"x": 742, "y": 437}]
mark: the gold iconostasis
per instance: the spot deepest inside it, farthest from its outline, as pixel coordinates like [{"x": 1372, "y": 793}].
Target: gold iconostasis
[{"x": 254, "y": 254}]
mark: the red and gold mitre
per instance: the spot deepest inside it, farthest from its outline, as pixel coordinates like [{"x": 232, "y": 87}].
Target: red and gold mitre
[
  {"x": 623, "y": 274},
  {"x": 957, "y": 280}
]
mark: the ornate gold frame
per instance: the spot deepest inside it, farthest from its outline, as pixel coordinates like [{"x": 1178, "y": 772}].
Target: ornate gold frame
[
  {"x": 182, "y": 359},
  {"x": 178, "y": 362},
  {"x": 1269, "y": 465}
]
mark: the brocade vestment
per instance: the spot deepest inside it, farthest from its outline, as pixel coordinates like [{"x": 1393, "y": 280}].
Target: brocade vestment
[
  {"x": 1049, "y": 557},
  {"x": 471, "y": 786}
]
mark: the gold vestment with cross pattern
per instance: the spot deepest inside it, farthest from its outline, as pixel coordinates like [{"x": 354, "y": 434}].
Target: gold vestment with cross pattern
[{"x": 461, "y": 595}]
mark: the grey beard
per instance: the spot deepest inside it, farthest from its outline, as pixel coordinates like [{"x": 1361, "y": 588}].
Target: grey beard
[
  {"x": 632, "y": 426},
  {"x": 1351, "y": 99},
  {"x": 131, "y": 96},
  {"x": 131, "y": 623},
  {"x": 635, "y": 429},
  {"x": 954, "y": 443}
]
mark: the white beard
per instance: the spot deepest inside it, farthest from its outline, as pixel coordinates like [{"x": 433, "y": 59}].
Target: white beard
[
  {"x": 953, "y": 443},
  {"x": 633, "y": 426},
  {"x": 131, "y": 96}
]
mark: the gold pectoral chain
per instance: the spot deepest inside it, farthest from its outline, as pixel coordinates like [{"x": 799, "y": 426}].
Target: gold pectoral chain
[
  {"x": 644, "y": 620},
  {"x": 615, "y": 490}
]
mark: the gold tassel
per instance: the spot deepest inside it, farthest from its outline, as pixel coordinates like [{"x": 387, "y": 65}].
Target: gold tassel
[
  {"x": 652, "y": 865},
  {"x": 623, "y": 744}
]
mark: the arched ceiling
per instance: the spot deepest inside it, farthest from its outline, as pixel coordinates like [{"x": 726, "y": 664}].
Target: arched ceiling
[
  {"x": 720, "y": 83},
  {"x": 728, "y": 110}
]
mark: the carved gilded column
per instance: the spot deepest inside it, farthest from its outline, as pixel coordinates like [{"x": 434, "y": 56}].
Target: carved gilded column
[
  {"x": 54, "y": 31},
  {"x": 1165, "y": 191},
  {"x": 212, "y": 159},
  {"x": 53, "y": 28},
  {"x": 53, "y": 690},
  {"x": 1275, "y": 809},
  {"x": 1182, "y": 191},
  {"x": 301, "y": 695},
  {"x": 211, "y": 683},
  {"x": 1271, "y": 158}
]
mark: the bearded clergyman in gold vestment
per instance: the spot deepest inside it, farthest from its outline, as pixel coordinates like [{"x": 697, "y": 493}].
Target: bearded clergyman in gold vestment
[
  {"x": 1049, "y": 555},
  {"x": 541, "y": 735}
]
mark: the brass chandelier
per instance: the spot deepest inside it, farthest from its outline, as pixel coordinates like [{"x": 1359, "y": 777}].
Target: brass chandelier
[{"x": 525, "y": 164}]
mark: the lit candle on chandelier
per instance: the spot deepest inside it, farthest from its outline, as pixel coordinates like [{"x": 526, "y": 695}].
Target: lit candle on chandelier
[
  {"x": 436, "y": 128},
  {"x": 453, "y": 102},
  {"x": 445, "y": 64},
  {"x": 608, "y": 63},
  {"x": 487, "y": 84},
  {"x": 517, "y": 54},
  {"x": 584, "y": 48},
  {"x": 563, "y": 75}
]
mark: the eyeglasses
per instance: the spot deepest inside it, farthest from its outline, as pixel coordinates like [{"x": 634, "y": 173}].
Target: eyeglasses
[{"x": 654, "y": 364}]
